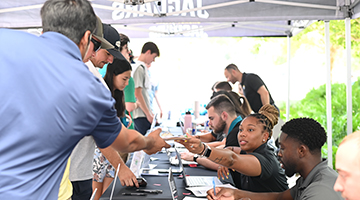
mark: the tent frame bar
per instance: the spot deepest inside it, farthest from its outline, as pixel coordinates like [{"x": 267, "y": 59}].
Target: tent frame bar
[
  {"x": 299, "y": 4},
  {"x": 354, "y": 4}
]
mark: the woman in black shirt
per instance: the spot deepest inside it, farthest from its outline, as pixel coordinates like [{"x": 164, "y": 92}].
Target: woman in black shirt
[{"x": 253, "y": 165}]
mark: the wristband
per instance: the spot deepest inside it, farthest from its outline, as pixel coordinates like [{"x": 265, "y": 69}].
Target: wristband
[
  {"x": 196, "y": 156},
  {"x": 203, "y": 149}
]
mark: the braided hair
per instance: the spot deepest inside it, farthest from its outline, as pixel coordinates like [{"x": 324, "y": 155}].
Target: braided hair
[{"x": 268, "y": 116}]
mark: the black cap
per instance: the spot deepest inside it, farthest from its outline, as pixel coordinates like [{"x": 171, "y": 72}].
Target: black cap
[
  {"x": 98, "y": 33},
  {"x": 111, "y": 35}
]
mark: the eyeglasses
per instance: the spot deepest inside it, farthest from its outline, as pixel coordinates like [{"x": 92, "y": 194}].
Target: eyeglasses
[{"x": 97, "y": 45}]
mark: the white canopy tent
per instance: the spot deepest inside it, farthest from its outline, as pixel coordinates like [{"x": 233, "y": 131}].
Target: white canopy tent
[
  {"x": 193, "y": 17},
  {"x": 210, "y": 18}
]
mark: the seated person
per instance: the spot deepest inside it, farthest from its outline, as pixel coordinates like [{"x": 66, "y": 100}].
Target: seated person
[
  {"x": 223, "y": 119},
  {"x": 256, "y": 164},
  {"x": 348, "y": 166},
  {"x": 225, "y": 114},
  {"x": 242, "y": 108},
  {"x": 300, "y": 152}
]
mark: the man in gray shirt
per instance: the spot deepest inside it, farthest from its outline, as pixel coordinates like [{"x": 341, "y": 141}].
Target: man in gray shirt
[{"x": 300, "y": 152}]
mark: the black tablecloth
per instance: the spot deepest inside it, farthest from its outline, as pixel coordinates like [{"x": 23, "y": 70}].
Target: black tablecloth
[{"x": 161, "y": 182}]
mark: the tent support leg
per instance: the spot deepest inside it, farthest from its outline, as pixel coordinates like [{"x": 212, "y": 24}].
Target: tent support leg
[
  {"x": 288, "y": 77},
  {"x": 348, "y": 76},
  {"x": 328, "y": 94}
]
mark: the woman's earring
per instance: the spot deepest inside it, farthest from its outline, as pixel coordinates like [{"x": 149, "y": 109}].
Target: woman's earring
[{"x": 263, "y": 140}]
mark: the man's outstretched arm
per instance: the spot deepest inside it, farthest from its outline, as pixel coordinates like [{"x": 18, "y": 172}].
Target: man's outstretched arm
[{"x": 131, "y": 140}]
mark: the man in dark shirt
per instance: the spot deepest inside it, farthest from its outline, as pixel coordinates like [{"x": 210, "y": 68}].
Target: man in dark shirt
[
  {"x": 300, "y": 152},
  {"x": 223, "y": 119},
  {"x": 253, "y": 86}
]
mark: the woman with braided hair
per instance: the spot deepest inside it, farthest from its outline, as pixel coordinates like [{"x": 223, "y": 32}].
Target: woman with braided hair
[{"x": 253, "y": 165}]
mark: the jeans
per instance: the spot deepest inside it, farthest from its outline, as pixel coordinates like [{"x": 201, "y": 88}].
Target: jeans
[
  {"x": 82, "y": 190},
  {"x": 141, "y": 124}
]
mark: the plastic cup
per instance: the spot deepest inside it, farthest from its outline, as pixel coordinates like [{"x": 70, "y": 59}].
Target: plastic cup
[{"x": 189, "y": 131}]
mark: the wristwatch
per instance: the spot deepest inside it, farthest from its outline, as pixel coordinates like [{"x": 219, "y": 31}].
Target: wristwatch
[
  {"x": 196, "y": 156},
  {"x": 207, "y": 151}
]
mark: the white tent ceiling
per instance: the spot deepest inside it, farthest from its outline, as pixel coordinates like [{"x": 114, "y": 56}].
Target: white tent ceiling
[{"x": 195, "y": 18}]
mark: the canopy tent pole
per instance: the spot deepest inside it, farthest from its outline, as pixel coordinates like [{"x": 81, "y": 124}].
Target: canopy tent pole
[
  {"x": 328, "y": 94},
  {"x": 348, "y": 75},
  {"x": 288, "y": 78}
]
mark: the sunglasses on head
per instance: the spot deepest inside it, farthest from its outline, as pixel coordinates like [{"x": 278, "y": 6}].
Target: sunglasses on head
[{"x": 97, "y": 45}]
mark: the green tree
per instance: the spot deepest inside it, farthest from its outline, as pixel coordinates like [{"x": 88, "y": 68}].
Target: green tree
[
  {"x": 314, "y": 36},
  {"x": 337, "y": 39}
]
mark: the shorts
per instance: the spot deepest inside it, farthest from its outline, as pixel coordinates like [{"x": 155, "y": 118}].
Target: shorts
[{"x": 101, "y": 167}]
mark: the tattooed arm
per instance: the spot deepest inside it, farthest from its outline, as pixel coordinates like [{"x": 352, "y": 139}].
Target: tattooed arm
[{"x": 246, "y": 164}]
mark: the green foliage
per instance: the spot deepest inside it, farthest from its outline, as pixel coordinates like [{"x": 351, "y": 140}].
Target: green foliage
[
  {"x": 324, "y": 153},
  {"x": 256, "y": 48},
  {"x": 337, "y": 35},
  {"x": 314, "y": 106},
  {"x": 314, "y": 36}
]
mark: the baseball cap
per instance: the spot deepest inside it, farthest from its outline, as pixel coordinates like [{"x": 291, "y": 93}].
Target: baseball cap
[
  {"x": 98, "y": 33},
  {"x": 111, "y": 35}
]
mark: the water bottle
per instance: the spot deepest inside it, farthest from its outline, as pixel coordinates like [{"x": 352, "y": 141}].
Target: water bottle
[{"x": 187, "y": 120}]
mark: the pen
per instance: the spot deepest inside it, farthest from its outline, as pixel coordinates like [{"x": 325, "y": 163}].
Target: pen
[
  {"x": 134, "y": 194},
  {"x": 149, "y": 191},
  {"x": 214, "y": 185}
]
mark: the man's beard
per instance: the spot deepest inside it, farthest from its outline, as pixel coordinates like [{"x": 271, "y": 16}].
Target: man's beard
[{"x": 219, "y": 129}]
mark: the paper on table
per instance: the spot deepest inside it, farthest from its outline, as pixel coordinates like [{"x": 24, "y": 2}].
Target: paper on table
[
  {"x": 175, "y": 138},
  {"x": 152, "y": 166},
  {"x": 194, "y": 198},
  {"x": 201, "y": 191},
  {"x": 153, "y": 158}
]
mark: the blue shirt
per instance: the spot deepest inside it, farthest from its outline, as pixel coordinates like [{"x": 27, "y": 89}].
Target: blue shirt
[
  {"x": 152, "y": 90},
  {"x": 102, "y": 71},
  {"x": 49, "y": 101}
]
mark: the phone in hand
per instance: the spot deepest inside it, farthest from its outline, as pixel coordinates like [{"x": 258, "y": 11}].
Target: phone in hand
[{"x": 142, "y": 182}]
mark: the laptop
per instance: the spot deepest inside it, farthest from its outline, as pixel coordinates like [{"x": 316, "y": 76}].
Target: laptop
[
  {"x": 174, "y": 160},
  {"x": 159, "y": 172},
  {"x": 137, "y": 162},
  {"x": 173, "y": 189},
  {"x": 114, "y": 182},
  {"x": 197, "y": 181},
  {"x": 93, "y": 194}
]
